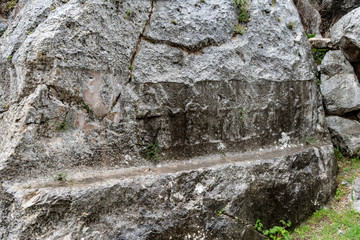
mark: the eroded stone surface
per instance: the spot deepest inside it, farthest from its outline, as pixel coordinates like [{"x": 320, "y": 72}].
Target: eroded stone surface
[
  {"x": 345, "y": 134},
  {"x": 143, "y": 88},
  {"x": 346, "y": 34},
  {"x": 91, "y": 84},
  {"x": 157, "y": 205},
  {"x": 339, "y": 84}
]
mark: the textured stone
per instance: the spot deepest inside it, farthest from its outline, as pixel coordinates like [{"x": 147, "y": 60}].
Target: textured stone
[
  {"x": 144, "y": 85},
  {"x": 340, "y": 87},
  {"x": 345, "y": 134},
  {"x": 346, "y": 34},
  {"x": 322, "y": 43},
  {"x": 92, "y": 84},
  {"x": 181, "y": 201},
  {"x": 355, "y": 195}
]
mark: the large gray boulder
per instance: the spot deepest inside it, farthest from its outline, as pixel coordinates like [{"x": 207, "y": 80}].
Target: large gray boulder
[
  {"x": 346, "y": 34},
  {"x": 123, "y": 95},
  {"x": 318, "y": 16},
  {"x": 178, "y": 201},
  {"x": 345, "y": 134},
  {"x": 339, "y": 84}
]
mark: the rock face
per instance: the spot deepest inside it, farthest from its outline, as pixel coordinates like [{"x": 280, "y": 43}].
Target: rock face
[
  {"x": 181, "y": 204},
  {"x": 94, "y": 88},
  {"x": 346, "y": 34},
  {"x": 339, "y": 85},
  {"x": 318, "y": 16},
  {"x": 345, "y": 134},
  {"x": 355, "y": 194}
]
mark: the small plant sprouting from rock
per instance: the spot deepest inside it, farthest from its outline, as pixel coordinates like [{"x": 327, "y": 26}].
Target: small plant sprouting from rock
[
  {"x": 311, "y": 140},
  {"x": 240, "y": 29},
  {"x": 318, "y": 81},
  {"x": 128, "y": 14},
  {"x": 242, "y": 114},
  {"x": 319, "y": 54},
  {"x": 310, "y": 35},
  {"x": 243, "y": 16},
  {"x": 3, "y": 104},
  {"x": 222, "y": 148},
  {"x": 291, "y": 26},
  {"x": 221, "y": 212},
  {"x": 276, "y": 232},
  {"x": 61, "y": 177},
  {"x": 11, "y": 5},
  {"x": 86, "y": 107},
  {"x": 63, "y": 126},
  {"x": 338, "y": 154},
  {"x": 152, "y": 151}
]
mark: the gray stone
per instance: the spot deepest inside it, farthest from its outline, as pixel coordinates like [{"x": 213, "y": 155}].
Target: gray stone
[
  {"x": 355, "y": 194},
  {"x": 339, "y": 85},
  {"x": 345, "y": 134},
  {"x": 346, "y": 34},
  {"x": 178, "y": 201},
  {"x": 321, "y": 15},
  {"x": 322, "y": 43},
  {"x": 92, "y": 85}
]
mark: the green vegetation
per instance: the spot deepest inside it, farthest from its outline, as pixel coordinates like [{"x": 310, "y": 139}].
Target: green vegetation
[
  {"x": 4, "y": 104},
  {"x": 128, "y": 14},
  {"x": 319, "y": 54},
  {"x": 11, "y": 5},
  {"x": 276, "y": 232},
  {"x": 63, "y": 126},
  {"x": 310, "y": 35},
  {"x": 318, "y": 81},
  {"x": 86, "y": 107},
  {"x": 311, "y": 140},
  {"x": 61, "y": 177},
  {"x": 174, "y": 22},
  {"x": 240, "y": 29},
  {"x": 221, "y": 212},
  {"x": 243, "y": 18},
  {"x": 152, "y": 151},
  {"x": 242, "y": 114},
  {"x": 10, "y": 57},
  {"x": 338, "y": 220}
]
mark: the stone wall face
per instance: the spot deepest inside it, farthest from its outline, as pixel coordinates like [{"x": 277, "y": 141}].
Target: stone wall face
[
  {"x": 186, "y": 86},
  {"x": 87, "y": 86}
]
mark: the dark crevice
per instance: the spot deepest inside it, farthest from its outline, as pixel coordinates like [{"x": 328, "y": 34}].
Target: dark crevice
[
  {"x": 137, "y": 48},
  {"x": 194, "y": 49},
  {"x": 116, "y": 100}
]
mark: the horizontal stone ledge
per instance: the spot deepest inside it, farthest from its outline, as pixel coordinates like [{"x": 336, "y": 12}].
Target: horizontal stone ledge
[{"x": 323, "y": 43}]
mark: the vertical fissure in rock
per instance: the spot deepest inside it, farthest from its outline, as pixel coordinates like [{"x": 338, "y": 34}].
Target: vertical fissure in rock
[{"x": 137, "y": 48}]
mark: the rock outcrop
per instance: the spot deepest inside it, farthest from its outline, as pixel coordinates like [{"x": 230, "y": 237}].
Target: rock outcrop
[
  {"x": 161, "y": 117},
  {"x": 339, "y": 84},
  {"x": 345, "y": 134},
  {"x": 318, "y": 16}
]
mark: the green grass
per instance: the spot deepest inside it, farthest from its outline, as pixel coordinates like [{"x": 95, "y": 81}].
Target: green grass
[{"x": 338, "y": 220}]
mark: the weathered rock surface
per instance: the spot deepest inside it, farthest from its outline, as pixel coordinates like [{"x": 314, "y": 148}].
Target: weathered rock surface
[
  {"x": 181, "y": 201},
  {"x": 346, "y": 34},
  {"x": 339, "y": 85},
  {"x": 150, "y": 83},
  {"x": 89, "y": 85},
  {"x": 345, "y": 134},
  {"x": 318, "y": 16},
  {"x": 322, "y": 43},
  {"x": 355, "y": 194}
]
